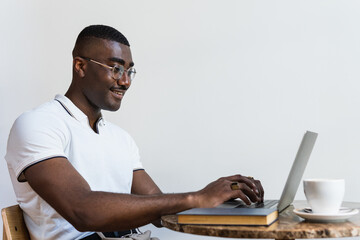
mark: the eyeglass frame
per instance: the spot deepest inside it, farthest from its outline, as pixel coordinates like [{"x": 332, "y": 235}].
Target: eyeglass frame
[{"x": 120, "y": 67}]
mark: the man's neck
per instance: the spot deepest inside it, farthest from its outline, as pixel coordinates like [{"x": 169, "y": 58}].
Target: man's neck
[{"x": 91, "y": 112}]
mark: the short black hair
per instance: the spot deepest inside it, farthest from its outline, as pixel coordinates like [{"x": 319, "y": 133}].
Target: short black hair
[{"x": 103, "y": 32}]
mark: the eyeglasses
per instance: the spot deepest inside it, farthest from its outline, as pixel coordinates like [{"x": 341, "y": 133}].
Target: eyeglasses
[{"x": 117, "y": 70}]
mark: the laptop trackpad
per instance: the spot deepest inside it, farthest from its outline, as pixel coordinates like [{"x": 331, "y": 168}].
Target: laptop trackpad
[{"x": 231, "y": 204}]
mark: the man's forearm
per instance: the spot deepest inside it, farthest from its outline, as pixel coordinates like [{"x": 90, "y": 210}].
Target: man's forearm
[
  {"x": 102, "y": 211},
  {"x": 71, "y": 196}
]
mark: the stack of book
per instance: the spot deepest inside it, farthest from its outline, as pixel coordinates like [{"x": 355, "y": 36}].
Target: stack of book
[{"x": 229, "y": 216}]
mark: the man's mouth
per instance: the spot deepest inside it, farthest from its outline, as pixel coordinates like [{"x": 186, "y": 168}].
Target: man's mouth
[{"x": 118, "y": 92}]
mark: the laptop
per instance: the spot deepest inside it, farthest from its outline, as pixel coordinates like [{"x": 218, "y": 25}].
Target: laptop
[{"x": 292, "y": 182}]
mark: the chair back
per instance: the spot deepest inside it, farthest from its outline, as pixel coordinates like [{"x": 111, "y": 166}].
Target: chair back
[{"x": 14, "y": 225}]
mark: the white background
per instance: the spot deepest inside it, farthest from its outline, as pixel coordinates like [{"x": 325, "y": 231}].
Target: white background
[{"x": 223, "y": 87}]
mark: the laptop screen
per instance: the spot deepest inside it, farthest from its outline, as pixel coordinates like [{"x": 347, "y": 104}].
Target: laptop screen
[{"x": 297, "y": 170}]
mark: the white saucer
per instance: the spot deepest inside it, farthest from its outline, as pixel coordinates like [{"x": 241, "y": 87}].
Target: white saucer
[{"x": 343, "y": 214}]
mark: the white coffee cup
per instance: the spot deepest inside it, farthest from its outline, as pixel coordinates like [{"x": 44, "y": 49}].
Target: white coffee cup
[{"x": 324, "y": 195}]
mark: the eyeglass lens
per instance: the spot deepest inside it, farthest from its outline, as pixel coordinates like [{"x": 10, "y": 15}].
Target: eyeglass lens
[{"x": 118, "y": 71}]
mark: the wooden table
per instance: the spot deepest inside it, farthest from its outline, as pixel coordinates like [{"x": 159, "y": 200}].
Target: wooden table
[{"x": 289, "y": 226}]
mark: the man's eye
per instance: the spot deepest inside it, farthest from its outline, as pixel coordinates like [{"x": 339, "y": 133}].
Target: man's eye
[{"x": 118, "y": 69}]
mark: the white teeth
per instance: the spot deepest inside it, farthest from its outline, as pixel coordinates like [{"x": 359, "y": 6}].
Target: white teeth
[{"x": 117, "y": 92}]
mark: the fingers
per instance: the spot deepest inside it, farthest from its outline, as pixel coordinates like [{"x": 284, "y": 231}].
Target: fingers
[
  {"x": 244, "y": 198},
  {"x": 244, "y": 192},
  {"x": 254, "y": 184},
  {"x": 237, "y": 186},
  {"x": 261, "y": 189}
]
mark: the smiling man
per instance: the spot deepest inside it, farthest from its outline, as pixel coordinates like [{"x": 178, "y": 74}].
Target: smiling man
[{"x": 74, "y": 173}]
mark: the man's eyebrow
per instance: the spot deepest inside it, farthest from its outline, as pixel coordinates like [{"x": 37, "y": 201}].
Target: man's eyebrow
[{"x": 121, "y": 61}]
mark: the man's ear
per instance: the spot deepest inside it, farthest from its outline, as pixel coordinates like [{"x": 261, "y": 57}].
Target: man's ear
[{"x": 79, "y": 66}]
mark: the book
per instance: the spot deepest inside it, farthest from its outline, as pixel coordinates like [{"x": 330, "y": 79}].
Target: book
[{"x": 229, "y": 216}]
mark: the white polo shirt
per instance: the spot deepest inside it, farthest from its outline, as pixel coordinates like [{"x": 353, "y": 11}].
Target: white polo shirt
[{"x": 106, "y": 160}]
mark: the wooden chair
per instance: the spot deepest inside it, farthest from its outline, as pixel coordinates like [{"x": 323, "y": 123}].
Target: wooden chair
[{"x": 14, "y": 225}]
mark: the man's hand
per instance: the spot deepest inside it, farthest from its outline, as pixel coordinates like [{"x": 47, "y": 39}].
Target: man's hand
[{"x": 246, "y": 188}]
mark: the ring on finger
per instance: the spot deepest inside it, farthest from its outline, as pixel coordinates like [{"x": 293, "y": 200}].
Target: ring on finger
[{"x": 234, "y": 186}]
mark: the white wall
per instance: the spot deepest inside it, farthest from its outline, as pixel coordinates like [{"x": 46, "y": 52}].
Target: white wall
[{"x": 223, "y": 87}]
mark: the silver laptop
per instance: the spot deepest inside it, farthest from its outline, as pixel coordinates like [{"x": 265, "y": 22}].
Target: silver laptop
[{"x": 293, "y": 180}]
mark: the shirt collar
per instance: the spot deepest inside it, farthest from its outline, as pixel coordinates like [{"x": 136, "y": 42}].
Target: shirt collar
[{"x": 74, "y": 111}]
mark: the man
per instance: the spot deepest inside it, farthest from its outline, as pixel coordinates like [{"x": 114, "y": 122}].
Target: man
[{"x": 75, "y": 173}]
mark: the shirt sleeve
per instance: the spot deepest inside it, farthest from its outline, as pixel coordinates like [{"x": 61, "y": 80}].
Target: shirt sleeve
[
  {"x": 133, "y": 150},
  {"x": 34, "y": 137},
  {"x": 137, "y": 165}
]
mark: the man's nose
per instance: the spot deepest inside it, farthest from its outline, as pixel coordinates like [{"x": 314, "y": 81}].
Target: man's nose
[{"x": 124, "y": 80}]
